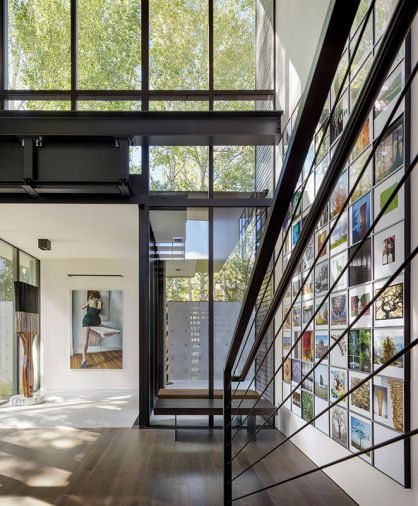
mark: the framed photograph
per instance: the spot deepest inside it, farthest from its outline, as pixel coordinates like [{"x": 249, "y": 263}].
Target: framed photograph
[
  {"x": 307, "y": 406},
  {"x": 323, "y": 220},
  {"x": 287, "y": 370},
  {"x": 297, "y": 350},
  {"x": 296, "y": 229},
  {"x": 97, "y": 329},
  {"x": 321, "y": 168},
  {"x": 308, "y": 285},
  {"x": 338, "y": 384},
  {"x": 321, "y": 382},
  {"x": 322, "y": 422},
  {"x": 297, "y": 402},
  {"x": 359, "y": 298},
  {"x": 389, "y": 305},
  {"x": 296, "y": 370},
  {"x": 339, "y": 236},
  {"x": 361, "y": 436},
  {"x": 365, "y": 183},
  {"x": 390, "y": 459},
  {"x": 339, "y": 425},
  {"x": 389, "y": 250},
  {"x": 296, "y": 286},
  {"x": 309, "y": 192},
  {"x": 386, "y": 100},
  {"x": 338, "y": 354},
  {"x": 321, "y": 317},
  {"x": 296, "y": 316},
  {"x": 363, "y": 140},
  {"x": 360, "y": 269},
  {"x": 321, "y": 346},
  {"x": 287, "y": 325},
  {"x": 307, "y": 311},
  {"x": 339, "y": 195},
  {"x": 308, "y": 346},
  {"x": 321, "y": 239},
  {"x": 388, "y": 402},
  {"x": 321, "y": 278},
  {"x": 360, "y": 218},
  {"x": 360, "y": 350},
  {"x": 337, "y": 264},
  {"x": 338, "y": 309},
  {"x": 308, "y": 254},
  {"x": 390, "y": 152},
  {"x": 286, "y": 394},
  {"x": 308, "y": 383},
  {"x": 386, "y": 344},
  {"x": 338, "y": 118},
  {"x": 286, "y": 343},
  {"x": 361, "y": 398},
  {"x": 395, "y": 212}
]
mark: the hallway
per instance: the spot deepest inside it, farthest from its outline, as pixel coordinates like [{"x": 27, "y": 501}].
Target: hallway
[{"x": 67, "y": 466}]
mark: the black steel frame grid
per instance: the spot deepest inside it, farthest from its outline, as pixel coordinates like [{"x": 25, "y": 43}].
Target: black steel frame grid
[
  {"x": 381, "y": 290},
  {"x": 357, "y": 246},
  {"x": 326, "y": 60},
  {"x": 302, "y": 189},
  {"x": 393, "y": 38}
]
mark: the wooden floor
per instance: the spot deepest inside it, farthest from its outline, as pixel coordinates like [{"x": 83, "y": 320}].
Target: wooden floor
[
  {"x": 146, "y": 467},
  {"x": 99, "y": 360}
]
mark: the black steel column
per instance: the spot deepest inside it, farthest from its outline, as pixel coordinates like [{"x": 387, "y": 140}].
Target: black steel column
[
  {"x": 3, "y": 48},
  {"x": 143, "y": 311},
  {"x": 211, "y": 313},
  {"x": 210, "y": 60},
  {"x": 227, "y": 437}
]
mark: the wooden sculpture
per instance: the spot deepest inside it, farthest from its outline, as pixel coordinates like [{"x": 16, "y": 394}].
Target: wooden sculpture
[{"x": 27, "y": 328}]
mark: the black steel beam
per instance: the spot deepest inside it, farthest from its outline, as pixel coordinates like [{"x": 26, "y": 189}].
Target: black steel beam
[
  {"x": 388, "y": 48},
  {"x": 337, "y": 26},
  {"x": 74, "y": 54},
  {"x": 158, "y": 128}
]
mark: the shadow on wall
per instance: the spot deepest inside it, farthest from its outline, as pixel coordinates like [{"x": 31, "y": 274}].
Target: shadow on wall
[{"x": 109, "y": 333}]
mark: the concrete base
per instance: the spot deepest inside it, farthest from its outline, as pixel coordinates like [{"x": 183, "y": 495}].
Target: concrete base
[{"x": 21, "y": 400}]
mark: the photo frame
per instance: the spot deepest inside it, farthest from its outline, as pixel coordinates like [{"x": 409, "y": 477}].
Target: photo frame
[
  {"x": 339, "y": 425},
  {"x": 359, "y": 297},
  {"x": 361, "y": 398},
  {"x": 396, "y": 209},
  {"x": 361, "y": 436},
  {"x": 389, "y": 250},
  {"x": 388, "y": 402},
  {"x": 386, "y": 344}
]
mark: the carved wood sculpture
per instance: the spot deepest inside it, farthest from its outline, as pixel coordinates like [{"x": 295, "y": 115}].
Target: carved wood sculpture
[{"x": 27, "y": 328}]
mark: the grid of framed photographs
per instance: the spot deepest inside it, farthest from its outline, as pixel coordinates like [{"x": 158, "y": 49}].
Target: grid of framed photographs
[{"x": 376, "y": 411}]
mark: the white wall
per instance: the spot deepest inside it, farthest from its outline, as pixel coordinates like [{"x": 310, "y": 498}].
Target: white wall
[
  {"x": 361, "y": 481},
  {"x": 299, "y": 24},
  {"x": 56, "y": 289}
]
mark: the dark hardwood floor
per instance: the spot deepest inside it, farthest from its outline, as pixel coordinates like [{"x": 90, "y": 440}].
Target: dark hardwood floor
[{"x": 124, "y": 467}]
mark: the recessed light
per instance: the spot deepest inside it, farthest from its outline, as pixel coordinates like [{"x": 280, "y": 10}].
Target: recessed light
[{"x": 44, "y": 244}]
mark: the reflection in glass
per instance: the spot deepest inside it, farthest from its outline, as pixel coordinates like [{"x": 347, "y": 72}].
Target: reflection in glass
[{"x": 182, "y": 246}]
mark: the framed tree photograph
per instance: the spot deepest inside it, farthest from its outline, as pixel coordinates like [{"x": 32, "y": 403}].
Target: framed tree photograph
[
  {"x": 338, "y": 384},
  {"x": 308, "y": 346},
  {"x": 322, "y": 314},
  {"x": 359, "y": 298},
  {"x": 339, "y": 236},
  {"x": 390, "y": 152},
  {"x": 360, "y": 350},
  {"x": 297, "y": 402},
  {"x": 321, "y": 346},
  {"x": 339, "y": 425},
  {"x": 307, "y": 406},
  {"x": 308, "y": 383},
  {"x": 395, "y": 211},
  {"x": 339, "y": 353},
  {"x": 361, "y": 436},
  {"x": 361, "y": 398},
  {"x": 365, "y": 183},
  {"x": 388, "y": 402},
  {"x": 338, "y": 309},
  {"x": 360, "y": 269},
  {"x": 360, "y": 218},
  {"x": 339, "y": 195},
  {"x": 386, "y": 344},
  {"x": 321, "y": 381},
  {"x": 389, "y": 305},
  {"x": 321, "y": 278},
  {"x": 337, "y": 265}
]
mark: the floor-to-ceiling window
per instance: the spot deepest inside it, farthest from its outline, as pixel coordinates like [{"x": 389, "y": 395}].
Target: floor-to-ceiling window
[{"x": 15, "y": 265}]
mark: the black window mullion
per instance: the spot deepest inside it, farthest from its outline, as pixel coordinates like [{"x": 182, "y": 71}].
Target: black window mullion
[
  {"x": 145, "y": 54},
  {"x": 74, "y": 54},
  {"x": 210, "y": 21},
  {"x": 3, "y": 55}
]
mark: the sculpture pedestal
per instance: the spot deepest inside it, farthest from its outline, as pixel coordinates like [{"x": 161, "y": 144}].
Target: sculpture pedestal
[{"x": 21, "y": 400}]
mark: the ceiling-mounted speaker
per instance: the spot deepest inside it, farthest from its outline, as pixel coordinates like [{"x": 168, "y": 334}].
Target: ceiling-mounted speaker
[{"x": 44, "y": 244}]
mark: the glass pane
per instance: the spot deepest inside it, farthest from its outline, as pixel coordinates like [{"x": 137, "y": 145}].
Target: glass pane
[
  {"x": 179, "y": 35},
  {"x": 234, "y": 169},
  {"x": 39, "y": 44},
  {"x": 109, "y": 44},
  {"x": 135, "y": 160},
  {"x": 38, "y": 105},
  {"x": 109, "y": 105},
  {"x": 28, "y": 269},
  {"x": 179, "y": 105},
  {"x": 235, "y": 105},
  {"x": 7, "y": 332},
  {"x": 234, "y": 245},
  {"x": 181, "y": 239},
  {"x": 234, "y": 44},
  {"x": 179, "y": 168}
]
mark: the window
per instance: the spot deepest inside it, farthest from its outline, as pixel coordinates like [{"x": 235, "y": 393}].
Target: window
[
  {"x": 109, "y": 44},
  {"x": 179, "y": 34},
  {"x": 39, "y": 44}
]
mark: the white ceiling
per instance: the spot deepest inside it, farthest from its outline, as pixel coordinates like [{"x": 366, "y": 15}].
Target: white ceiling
[{"x": 75, "y": 230}]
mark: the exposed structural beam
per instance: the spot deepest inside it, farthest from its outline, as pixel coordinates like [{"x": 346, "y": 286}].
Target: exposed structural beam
[
  {"x": 255, "y": 128},
  {"x": 331, "y": 45}
]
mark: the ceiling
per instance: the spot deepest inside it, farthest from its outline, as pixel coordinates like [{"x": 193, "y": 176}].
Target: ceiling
[{"x": 75, "y": 230}]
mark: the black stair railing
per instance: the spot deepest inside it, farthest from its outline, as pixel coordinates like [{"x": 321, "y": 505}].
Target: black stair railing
[{"x": 336, "y": 31}]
